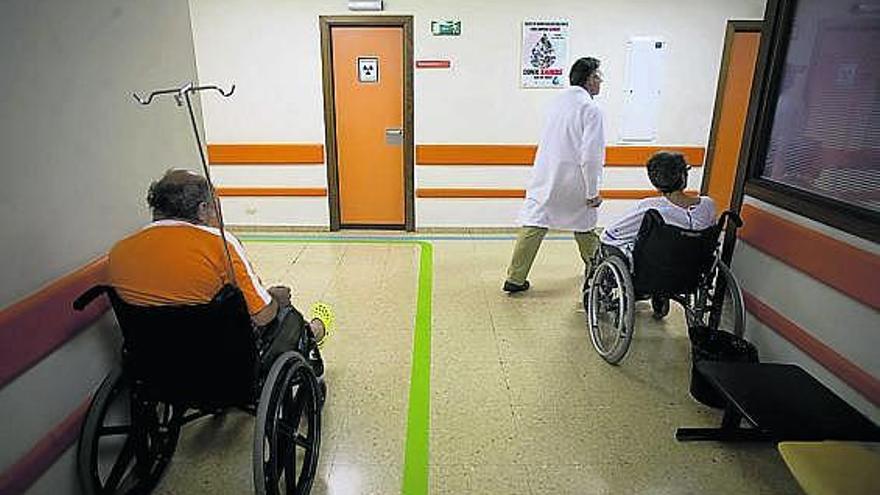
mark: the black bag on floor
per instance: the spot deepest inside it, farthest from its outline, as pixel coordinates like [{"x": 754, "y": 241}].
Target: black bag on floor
[{"x": 715, "y": 345}]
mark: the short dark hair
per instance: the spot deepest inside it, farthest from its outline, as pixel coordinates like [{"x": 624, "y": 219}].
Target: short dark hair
[
  {"x": 582, "y": 69},
  {"x": 666, "y": 170},
  {"x": 178, "y": 194}
]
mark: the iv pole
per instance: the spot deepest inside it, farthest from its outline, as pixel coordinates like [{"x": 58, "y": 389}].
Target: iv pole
[{"x": 182, "y": 94}]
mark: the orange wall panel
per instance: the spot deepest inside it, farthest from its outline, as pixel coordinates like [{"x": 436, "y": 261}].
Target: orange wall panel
[
  {"x": 730, "y": 126},
  {"x": 371, "y": 172}
]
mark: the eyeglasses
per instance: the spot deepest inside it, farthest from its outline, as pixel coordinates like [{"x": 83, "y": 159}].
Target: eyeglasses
[{"x": 597, "y": 76}]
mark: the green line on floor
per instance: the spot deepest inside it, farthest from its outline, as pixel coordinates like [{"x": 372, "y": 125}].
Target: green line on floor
[
  {"x": 416, "y": 454},
  {"x": 415, "y": 466}
]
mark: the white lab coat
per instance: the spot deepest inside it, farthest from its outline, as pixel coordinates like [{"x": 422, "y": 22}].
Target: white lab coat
[{"x": 568, "y": 165}]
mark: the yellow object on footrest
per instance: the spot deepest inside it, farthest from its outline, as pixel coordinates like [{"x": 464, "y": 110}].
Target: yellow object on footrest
[
  {"x": 324, "y": 312},
  {"x": 832, "y": 467}
]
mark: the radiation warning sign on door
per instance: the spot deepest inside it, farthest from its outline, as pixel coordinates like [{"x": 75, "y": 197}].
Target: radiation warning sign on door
[{"x": 368, "y": 69}]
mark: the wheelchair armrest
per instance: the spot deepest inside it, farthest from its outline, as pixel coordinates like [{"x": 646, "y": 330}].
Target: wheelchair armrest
[
  {"x": 88, "y": 296},
  {"x": 732, "y": 217}
]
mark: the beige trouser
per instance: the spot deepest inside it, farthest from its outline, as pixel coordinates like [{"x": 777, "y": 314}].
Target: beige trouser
[{"x": 528, "y": 241}]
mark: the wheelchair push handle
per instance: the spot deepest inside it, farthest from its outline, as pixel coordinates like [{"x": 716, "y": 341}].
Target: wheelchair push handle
[
  {"x": 730, "y": 216},
  {"x": 88, "y": 296}
]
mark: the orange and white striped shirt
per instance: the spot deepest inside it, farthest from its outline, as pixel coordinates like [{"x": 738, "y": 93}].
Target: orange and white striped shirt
[{"x": 177, "y": 262}]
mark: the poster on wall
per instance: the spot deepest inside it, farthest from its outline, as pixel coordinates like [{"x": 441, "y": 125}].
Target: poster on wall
[{"x": 544, "y": 54}]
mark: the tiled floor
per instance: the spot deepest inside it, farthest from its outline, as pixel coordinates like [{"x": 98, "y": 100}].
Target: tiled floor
[{"x": 520, "y": 402}]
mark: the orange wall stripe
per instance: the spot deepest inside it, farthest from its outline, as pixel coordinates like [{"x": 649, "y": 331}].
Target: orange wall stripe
[
  {"x": 436, "y": 154},
  {"x": 834, "y": 263},
  {"x": 638, "y": 155},
  {"x": 524, "y": 154},
  {"x": 265, "y": 154},
  {"x": 437, "y": 192},
  {"x": 426, "y": 192},
  {"x": 34, "y": 327},
  {"x": 857, "y": 378},
  {"x": 28, "y": 469},
  {"x": 475, "y": 154},
  {"x": 272, "y": 191}
]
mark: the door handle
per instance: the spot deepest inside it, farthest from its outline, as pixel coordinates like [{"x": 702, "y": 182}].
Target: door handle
[{"x": 394, "y": 136}]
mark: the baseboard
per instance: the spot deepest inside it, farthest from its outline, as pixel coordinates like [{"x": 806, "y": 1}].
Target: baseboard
[
  {"x": 276, "y": 229},
  {"x": 467, "y": 230}
]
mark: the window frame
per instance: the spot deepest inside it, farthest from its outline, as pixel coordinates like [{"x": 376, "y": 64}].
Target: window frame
[{"x": 847, "y": 217}]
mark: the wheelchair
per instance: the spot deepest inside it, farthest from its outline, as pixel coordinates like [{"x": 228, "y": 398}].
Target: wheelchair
[
  {"x": 668, "y": 262},
  {"x": 183, "y": 363}
]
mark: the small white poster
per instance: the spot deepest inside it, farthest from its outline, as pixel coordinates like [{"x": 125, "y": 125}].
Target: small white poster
[
  {"x": 368, "y": 69},
  {"x": 544, "y": 54}
]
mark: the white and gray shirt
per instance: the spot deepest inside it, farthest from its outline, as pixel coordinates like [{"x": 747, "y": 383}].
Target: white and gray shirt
[{"x": 622, "y": 233}]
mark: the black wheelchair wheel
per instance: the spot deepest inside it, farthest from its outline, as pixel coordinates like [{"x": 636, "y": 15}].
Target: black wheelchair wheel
[
  {"x": 610, "y": 309},
  {"x": 126, "y": 444},
  {"x": 718, "y": 302},
  {"x": 287, "y": 434}
]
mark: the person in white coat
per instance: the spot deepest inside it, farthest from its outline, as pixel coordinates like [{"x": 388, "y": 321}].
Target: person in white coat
[{"x": 564, "y": 190}]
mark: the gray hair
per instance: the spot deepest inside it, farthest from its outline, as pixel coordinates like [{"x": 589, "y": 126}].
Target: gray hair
[{"x": 178, "y": 194}]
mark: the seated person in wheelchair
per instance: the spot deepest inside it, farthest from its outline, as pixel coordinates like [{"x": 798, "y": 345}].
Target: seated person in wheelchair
[
  {"x": 667, "y": 171},
  {"x": 179, "y": 259}
]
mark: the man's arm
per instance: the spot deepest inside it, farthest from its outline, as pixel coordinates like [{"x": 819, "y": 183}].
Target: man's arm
[
  {"x": 280, "y": 298},
  {"x": 262, "y": 304},
  {"x": 625, "y": 230},
  {"x": 265, "y": 316}
]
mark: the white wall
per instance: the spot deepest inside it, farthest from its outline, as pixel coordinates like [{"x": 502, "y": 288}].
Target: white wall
[
  {"x": 77, "y": 155},
  {"x": 838, "y": 321},
  {"x": 77, "y": 152},
  {"x": 271, "y": 50},
  {"x": 430, "y": 212}
]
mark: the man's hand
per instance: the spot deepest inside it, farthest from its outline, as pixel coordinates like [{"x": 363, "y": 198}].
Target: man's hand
[
  {"x": 594, "y": 202},
  {"x": 281, "y": 294}
]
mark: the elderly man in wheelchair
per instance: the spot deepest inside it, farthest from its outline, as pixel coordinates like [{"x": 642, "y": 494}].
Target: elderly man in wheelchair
[
  {"x": 200, "y": 335},
  {"x": 664, "y": 249}
]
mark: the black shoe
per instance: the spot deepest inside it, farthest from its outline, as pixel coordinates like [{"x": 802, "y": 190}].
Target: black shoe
[
  {"x": 512, "y": 288},
  {"x": 660, "y": 305}
]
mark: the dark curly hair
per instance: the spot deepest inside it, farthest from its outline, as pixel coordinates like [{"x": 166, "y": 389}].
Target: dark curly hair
[
  {"x": 582, "y": 69},
  {"x": 178, "y": 194},
  {"x": 667, "y": 171}
]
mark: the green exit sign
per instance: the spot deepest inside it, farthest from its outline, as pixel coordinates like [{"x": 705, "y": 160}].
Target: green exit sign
[{"x": 446, "y": 28}]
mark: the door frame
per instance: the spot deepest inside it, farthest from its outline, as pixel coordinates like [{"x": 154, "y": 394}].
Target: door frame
[
  {"x": 327, "y": 23},
  {"x": 733, "y": 27}
]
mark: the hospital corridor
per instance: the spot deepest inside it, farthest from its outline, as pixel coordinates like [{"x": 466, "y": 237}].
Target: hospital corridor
[{"x": 352, "y": 247}]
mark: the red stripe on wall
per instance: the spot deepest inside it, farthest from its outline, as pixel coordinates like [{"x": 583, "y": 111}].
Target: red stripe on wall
[
  {"x": 266, "y": 154},
  {"x": 33, "y": 328},
  {"x": 862, "y": 381},
  {"x": 834, "y": 263},
  {"x": 21, "y": 475}
]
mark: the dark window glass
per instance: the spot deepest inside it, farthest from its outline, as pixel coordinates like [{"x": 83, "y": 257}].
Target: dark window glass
[{"x": 826, "y": 127}]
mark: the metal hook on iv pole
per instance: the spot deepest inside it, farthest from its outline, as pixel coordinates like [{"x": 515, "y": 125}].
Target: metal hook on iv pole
[{"x": 180, "y": 92}]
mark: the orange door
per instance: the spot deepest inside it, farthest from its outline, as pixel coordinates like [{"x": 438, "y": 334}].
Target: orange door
[
  {"x": 724, "y": 155},
  {"x": 368, "y": 91}
]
